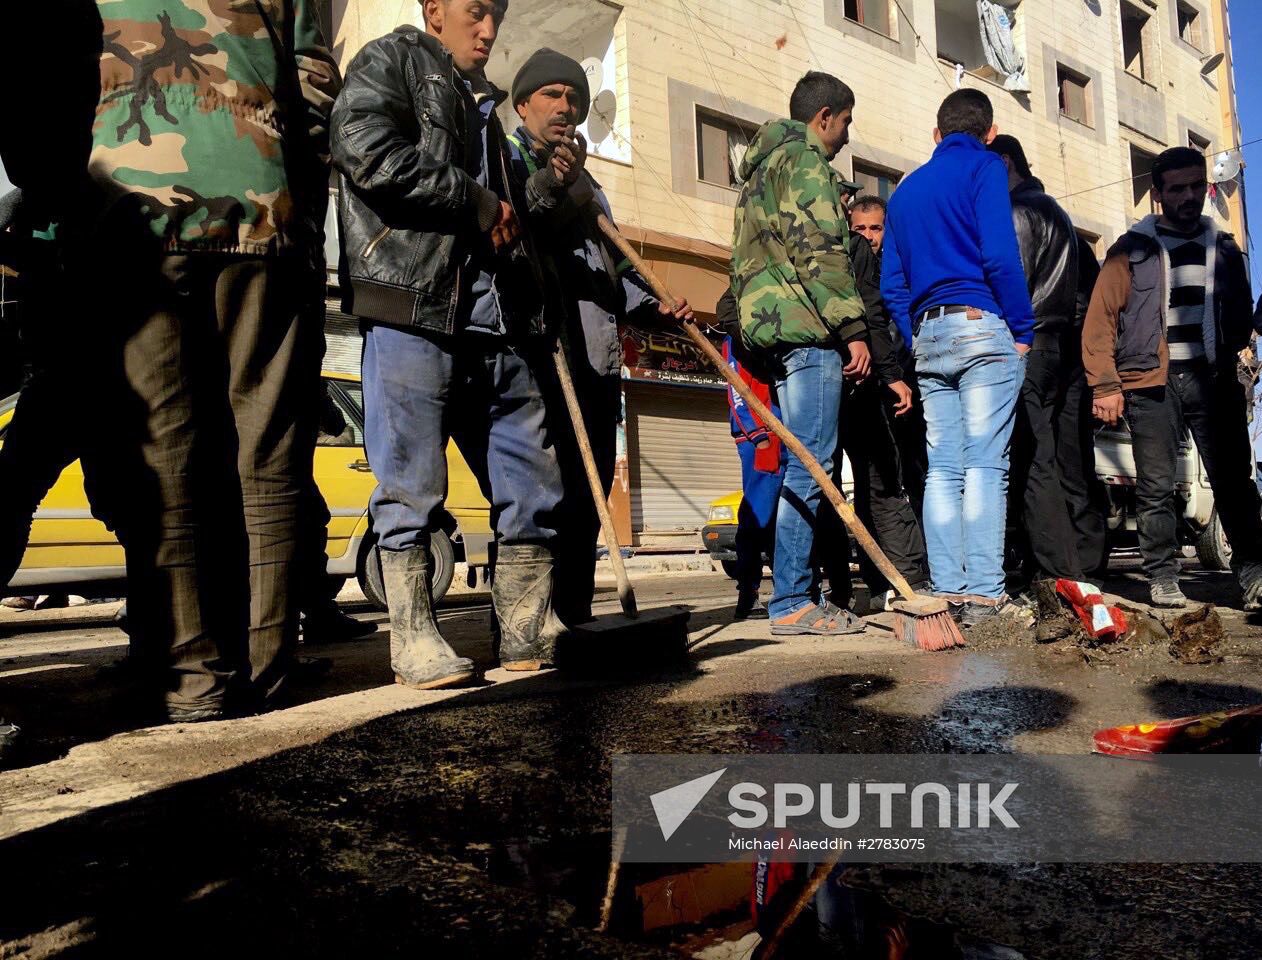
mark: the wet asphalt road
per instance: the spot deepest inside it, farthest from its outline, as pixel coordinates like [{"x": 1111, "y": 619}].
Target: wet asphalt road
[{"x": 480, "y": 826}]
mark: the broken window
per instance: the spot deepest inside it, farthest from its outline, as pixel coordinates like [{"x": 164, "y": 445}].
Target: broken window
[
  {"x": 1136, "y": 27},
  {"x": 1075, "y": 95},
  {"x": 878, "y": 181},
  {"x": 721, "y": 145},
  {"x": 1198, "y": 143},
  {"x": 1190, "y": 25},
  {"x": 870, "y": 13},
  {"x": 1142, "y": 203},
  {"x": 979, "y": 35}
]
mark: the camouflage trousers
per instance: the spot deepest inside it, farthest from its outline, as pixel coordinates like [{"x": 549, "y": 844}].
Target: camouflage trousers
[{"x": 213, "y": 374}]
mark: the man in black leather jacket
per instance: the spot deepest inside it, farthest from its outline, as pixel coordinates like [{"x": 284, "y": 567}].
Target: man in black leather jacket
[
  {"x": 1038, "y": 513},
  {"x": 439, "y": 263},
  {"x": 865, "y": 432}
]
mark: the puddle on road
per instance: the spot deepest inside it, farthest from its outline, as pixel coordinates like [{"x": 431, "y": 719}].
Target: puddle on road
[{"x": 519, "y": 789}]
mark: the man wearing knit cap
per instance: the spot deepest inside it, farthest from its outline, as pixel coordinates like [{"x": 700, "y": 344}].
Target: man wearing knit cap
[
  {"x": 440, "y": 264},
  {"x": 597, "y": 291}
]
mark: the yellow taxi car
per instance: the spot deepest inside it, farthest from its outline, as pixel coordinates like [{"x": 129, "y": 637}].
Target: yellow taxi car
[
  {"x": 719, "y": 532},
  {"x": 70, "y": 548}
]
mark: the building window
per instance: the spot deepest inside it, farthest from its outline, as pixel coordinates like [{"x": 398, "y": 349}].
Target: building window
[
  {"x": 1190, "y": 25},
  {"x": 1142, "y": 202},
  {"x": 875, "y": 180},
  {"x": 721, "y": 145},
  {"x": 1136, "y": 34},
  {"x": 870, "y": 13},
  {"x": 1075, "y": 95},
  {"x": 1198, "y": 143},
  {"x": 959, "y": 37}
]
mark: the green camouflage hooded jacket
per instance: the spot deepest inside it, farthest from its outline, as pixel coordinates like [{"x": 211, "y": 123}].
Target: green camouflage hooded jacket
[
  {"x": 791, "y": 271},
  {"x": 211, "y": 130}
]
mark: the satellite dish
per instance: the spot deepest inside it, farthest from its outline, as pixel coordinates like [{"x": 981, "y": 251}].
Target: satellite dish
[
  {"x": 1226, "y": 166},
  {"x": 595, "y": 71},
  {"x": 1210, "y": 63},
  {"x": 600, "y": 121}
]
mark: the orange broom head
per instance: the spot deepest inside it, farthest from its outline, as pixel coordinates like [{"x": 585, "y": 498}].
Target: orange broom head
[{"x": 926, "y": 622}]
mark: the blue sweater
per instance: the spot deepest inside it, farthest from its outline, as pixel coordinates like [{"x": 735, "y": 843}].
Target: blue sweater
[{"x": 949, "y": 239}]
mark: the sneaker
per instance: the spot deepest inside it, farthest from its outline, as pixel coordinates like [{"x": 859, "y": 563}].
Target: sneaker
[
  {"x": 749, "y": 606},
  {"x": 1026, "y": 600},
  {"x": 1250, "y": 577},
  {"x": 1166, "y": 593},
  {"x": 885, "y": 601},
  {"x": 975, "y": 614}
]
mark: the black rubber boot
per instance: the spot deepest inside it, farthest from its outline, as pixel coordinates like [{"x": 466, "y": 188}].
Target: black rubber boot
[
  {"x": 421, "y": 658},
  {"x": 522, "y": 594}
]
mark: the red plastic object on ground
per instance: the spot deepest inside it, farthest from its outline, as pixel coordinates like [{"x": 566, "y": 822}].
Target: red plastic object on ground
[
  {"x": 1099, "y": 620},
  {"x": 1231, "y": 731}
]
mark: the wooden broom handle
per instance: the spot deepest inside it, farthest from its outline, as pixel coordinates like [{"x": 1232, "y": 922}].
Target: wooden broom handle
[
  {"x": 625, "y": 594},
  {"x": 769, "y": 419}
]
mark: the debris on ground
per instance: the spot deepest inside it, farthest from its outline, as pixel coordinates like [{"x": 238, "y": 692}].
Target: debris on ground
[
  {"x": 1196, "y": 636},
  {"x": 999, "y": 633},
  {"x": 1145, "y": 629},
  {"x": 1225, "y": 731},
  {"x": 1055, "y": 622}
]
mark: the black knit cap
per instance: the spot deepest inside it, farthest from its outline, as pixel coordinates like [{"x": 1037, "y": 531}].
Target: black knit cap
[{"x": 546, "y": 66}]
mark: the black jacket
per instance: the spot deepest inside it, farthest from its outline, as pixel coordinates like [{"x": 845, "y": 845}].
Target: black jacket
[
  {"x": 1049, "y": 253},
  {"x": 404, "y": 138},
  {"x": 886, "y": 363}
]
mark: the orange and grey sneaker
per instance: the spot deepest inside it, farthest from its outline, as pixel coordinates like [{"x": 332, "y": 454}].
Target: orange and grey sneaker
[{"x": 823, "y": 620}]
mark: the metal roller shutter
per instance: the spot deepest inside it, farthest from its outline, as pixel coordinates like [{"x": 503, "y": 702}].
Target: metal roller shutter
[
  {"x": 343, "y": 342},
  {"x": 681, "y": 456}
]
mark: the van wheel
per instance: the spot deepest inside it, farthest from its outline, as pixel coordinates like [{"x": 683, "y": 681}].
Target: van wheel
[
  {"x": 730, "y": 568},
  {"x": 1212, "y": 548},
  {"x": 442, "y": 557}
]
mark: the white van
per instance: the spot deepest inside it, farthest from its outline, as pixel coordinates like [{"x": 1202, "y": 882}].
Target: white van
[{"x": 1115, "y": 466}]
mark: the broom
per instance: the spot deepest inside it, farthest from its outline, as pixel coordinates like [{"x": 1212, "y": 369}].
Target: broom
[{"x": 923, "y": 621}]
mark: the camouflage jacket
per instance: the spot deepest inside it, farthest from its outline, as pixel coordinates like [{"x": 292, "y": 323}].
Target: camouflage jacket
[
  {"x": 791, "y": 272},
  {"x": 211, "y": 130}
]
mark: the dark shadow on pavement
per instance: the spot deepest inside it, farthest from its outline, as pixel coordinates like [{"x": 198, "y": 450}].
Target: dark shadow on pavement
[{"x": 1178, "y": 698}]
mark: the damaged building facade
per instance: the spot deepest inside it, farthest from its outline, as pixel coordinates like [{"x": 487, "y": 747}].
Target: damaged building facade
[{"x": 1095, "y": 89}]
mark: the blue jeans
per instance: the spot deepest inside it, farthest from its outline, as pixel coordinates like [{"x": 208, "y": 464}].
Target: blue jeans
[
  {"x": 970, "y": 375},
  {"x": 810, "y": 400},
  {"x": 421, "y": 390}
]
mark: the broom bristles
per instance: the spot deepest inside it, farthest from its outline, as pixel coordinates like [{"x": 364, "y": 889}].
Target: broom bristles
[{"x": 931, "y": 632}]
